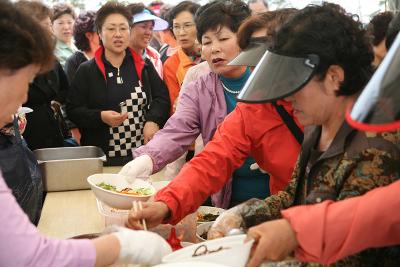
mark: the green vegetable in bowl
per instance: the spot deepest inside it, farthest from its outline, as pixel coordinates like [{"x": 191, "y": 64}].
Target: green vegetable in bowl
[
  {"x": 107, "y": 186},
  {"x": 142, "y": 191}
]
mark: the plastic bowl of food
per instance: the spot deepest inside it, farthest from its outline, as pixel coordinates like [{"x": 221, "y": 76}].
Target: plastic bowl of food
[
  {"x": 208, "y": 214},
  {"x": 230, "y": 251},
  {"x": 116, "y": 192}
]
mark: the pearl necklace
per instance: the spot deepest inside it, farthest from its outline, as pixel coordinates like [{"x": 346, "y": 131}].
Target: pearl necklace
[{"x": 229, "y": 90}]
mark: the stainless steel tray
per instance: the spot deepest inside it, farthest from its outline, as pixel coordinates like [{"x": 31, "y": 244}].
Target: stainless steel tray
[{"x": 66, "y": 168}]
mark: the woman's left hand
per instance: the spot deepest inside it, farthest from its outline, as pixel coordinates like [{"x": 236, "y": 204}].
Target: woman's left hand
[
  {"x": 274, "y": 240},
  {"x": 150, "y": 128}
]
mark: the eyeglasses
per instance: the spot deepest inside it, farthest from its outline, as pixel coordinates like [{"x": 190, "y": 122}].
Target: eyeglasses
[{"x": 185, "y": 27}]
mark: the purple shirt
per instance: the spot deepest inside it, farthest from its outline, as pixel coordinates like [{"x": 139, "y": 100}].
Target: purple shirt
[{"x": 22, "y": 245}]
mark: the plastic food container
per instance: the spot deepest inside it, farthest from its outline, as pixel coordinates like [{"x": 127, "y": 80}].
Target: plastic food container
[
  {"x": 185, "y": 229},
  {"x": 66, "y": 168}
]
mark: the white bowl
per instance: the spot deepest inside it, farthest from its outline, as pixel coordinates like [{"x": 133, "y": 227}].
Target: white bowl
[
  {"x": 201, "y": 229},
  {"x": 234, "y": 254},
  {"x": 202, "y": 210},
  {"x": 114, "y": 199}
]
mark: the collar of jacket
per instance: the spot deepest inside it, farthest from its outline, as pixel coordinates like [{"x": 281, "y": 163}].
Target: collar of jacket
[
  {"x": 137, "y": 59},
  {"x": 184, "y": 60},
  {"x": 151, "y": 53},
  {"x": 312, "y": 134}
]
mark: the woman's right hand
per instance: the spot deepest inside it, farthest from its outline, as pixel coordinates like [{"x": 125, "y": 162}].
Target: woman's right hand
[
  {"x": 153, "y": 212},
  {"x": 113, "y": 118}
]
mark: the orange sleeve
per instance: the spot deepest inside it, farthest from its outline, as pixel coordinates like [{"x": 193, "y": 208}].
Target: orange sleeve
[
  {"x": 330, "y": 231},
  {"x": 170, "y": 79}
]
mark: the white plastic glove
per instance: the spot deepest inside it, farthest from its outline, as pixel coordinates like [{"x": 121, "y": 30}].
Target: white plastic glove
[
  {"x": 141, "y": 166},
  {"x": 141, "y": 247}
]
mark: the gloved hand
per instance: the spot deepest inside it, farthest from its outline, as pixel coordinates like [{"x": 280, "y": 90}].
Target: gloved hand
[
  {"x": 247, "y": 214},
  {"x": 141, "y": 247},
  {"x": 141, "y": 166}
]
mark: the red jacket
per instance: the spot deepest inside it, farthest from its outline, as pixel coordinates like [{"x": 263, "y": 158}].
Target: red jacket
[
  {"x": 330, "y": 231},
  {"x": 254, "y": 130}
]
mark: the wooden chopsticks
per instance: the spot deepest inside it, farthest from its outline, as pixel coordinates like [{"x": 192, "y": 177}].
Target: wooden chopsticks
[{"x": 137, "y": 205}]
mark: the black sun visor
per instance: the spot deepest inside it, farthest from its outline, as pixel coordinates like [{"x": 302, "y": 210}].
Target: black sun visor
[
  {"x": 378, "y": 107},
  {"x": 277, "y": 76},
  {"x": 252, "y": 54}
]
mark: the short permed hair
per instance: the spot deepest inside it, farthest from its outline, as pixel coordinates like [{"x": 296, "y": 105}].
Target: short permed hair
[
  {"x": 338, "y": 38},
  {"x": 182, "y": 6},
  {"x": 108, "y": 9},
  {"x": 271, "y": 20},
  {"x": 84, "y": 23},
  {"x": 37, "y": 10},
  {"x": 219, "y": 13},
  {"x": 136, "y": 8},
  {"x": 378, "y": 26},
  {"x": 62, "y": 9},
  {"x": 23, "y": 40}
]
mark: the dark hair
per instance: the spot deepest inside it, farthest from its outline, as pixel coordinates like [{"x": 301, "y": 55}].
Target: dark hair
[
  {"x": 136, "y": 8},
  {"x": 108, "y": 9},
  {"x": 36, "y": 10},
  {"x": 271, "y": 20},
  {"x": 336, "y": 37},
  {"x": 392, "y": 31},
  {"x": 378, "y": 26},
  {"x": 165, "y": 15},
  {"x": 23, "y": 40},
  {"x": 84, "y": 23},
  {"x": 219, "y": 13},
  {"x": 182, "y": 6},
  {"x": 62, "y": 9}
]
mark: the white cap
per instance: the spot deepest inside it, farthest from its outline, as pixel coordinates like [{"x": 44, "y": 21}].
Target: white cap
[{"x": 145, "y": 15}]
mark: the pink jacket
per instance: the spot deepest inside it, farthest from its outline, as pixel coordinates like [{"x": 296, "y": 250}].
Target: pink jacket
[
  {"x": 331, "y": 231},
  {"x": 22, "y": 245}
]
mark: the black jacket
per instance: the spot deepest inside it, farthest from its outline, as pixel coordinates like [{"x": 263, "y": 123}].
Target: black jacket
[
  {"x": 88, "y": 98},
  {"x": 42, "y": 129},
  {"x": 72, "y": 64}
]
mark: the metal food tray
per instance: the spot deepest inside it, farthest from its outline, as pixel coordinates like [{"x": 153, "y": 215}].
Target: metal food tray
[{"x": 66, "y": 168}]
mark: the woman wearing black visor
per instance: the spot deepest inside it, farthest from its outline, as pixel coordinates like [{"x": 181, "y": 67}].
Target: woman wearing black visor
[
  {"x": 320, "y": 61},
  {"x": 320, "y": 232}
]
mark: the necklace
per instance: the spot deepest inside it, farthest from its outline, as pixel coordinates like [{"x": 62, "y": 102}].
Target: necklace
[{"x": 229, "y": 90}]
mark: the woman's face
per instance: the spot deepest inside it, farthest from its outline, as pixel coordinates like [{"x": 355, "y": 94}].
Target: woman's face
[
  {"x": 141, "y": 34},
  {"x": 185, "y": 31},
  {"x": 63, "y": 28},
  {"x": 115, "y": 33},
  {"x": 314, "y": 103},
  {"x": 219, "y": 47},
  {"x": 14, "y": 90}
]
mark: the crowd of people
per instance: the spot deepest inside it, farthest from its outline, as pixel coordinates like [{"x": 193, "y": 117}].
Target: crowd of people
[{"x": 268, "y": 94}]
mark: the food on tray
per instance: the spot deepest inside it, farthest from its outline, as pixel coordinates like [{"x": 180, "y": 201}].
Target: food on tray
[
  {"x": 203, "y": 250},
  {"x": 142, "y": 191},
  {"x": 206, "y": 217}
]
